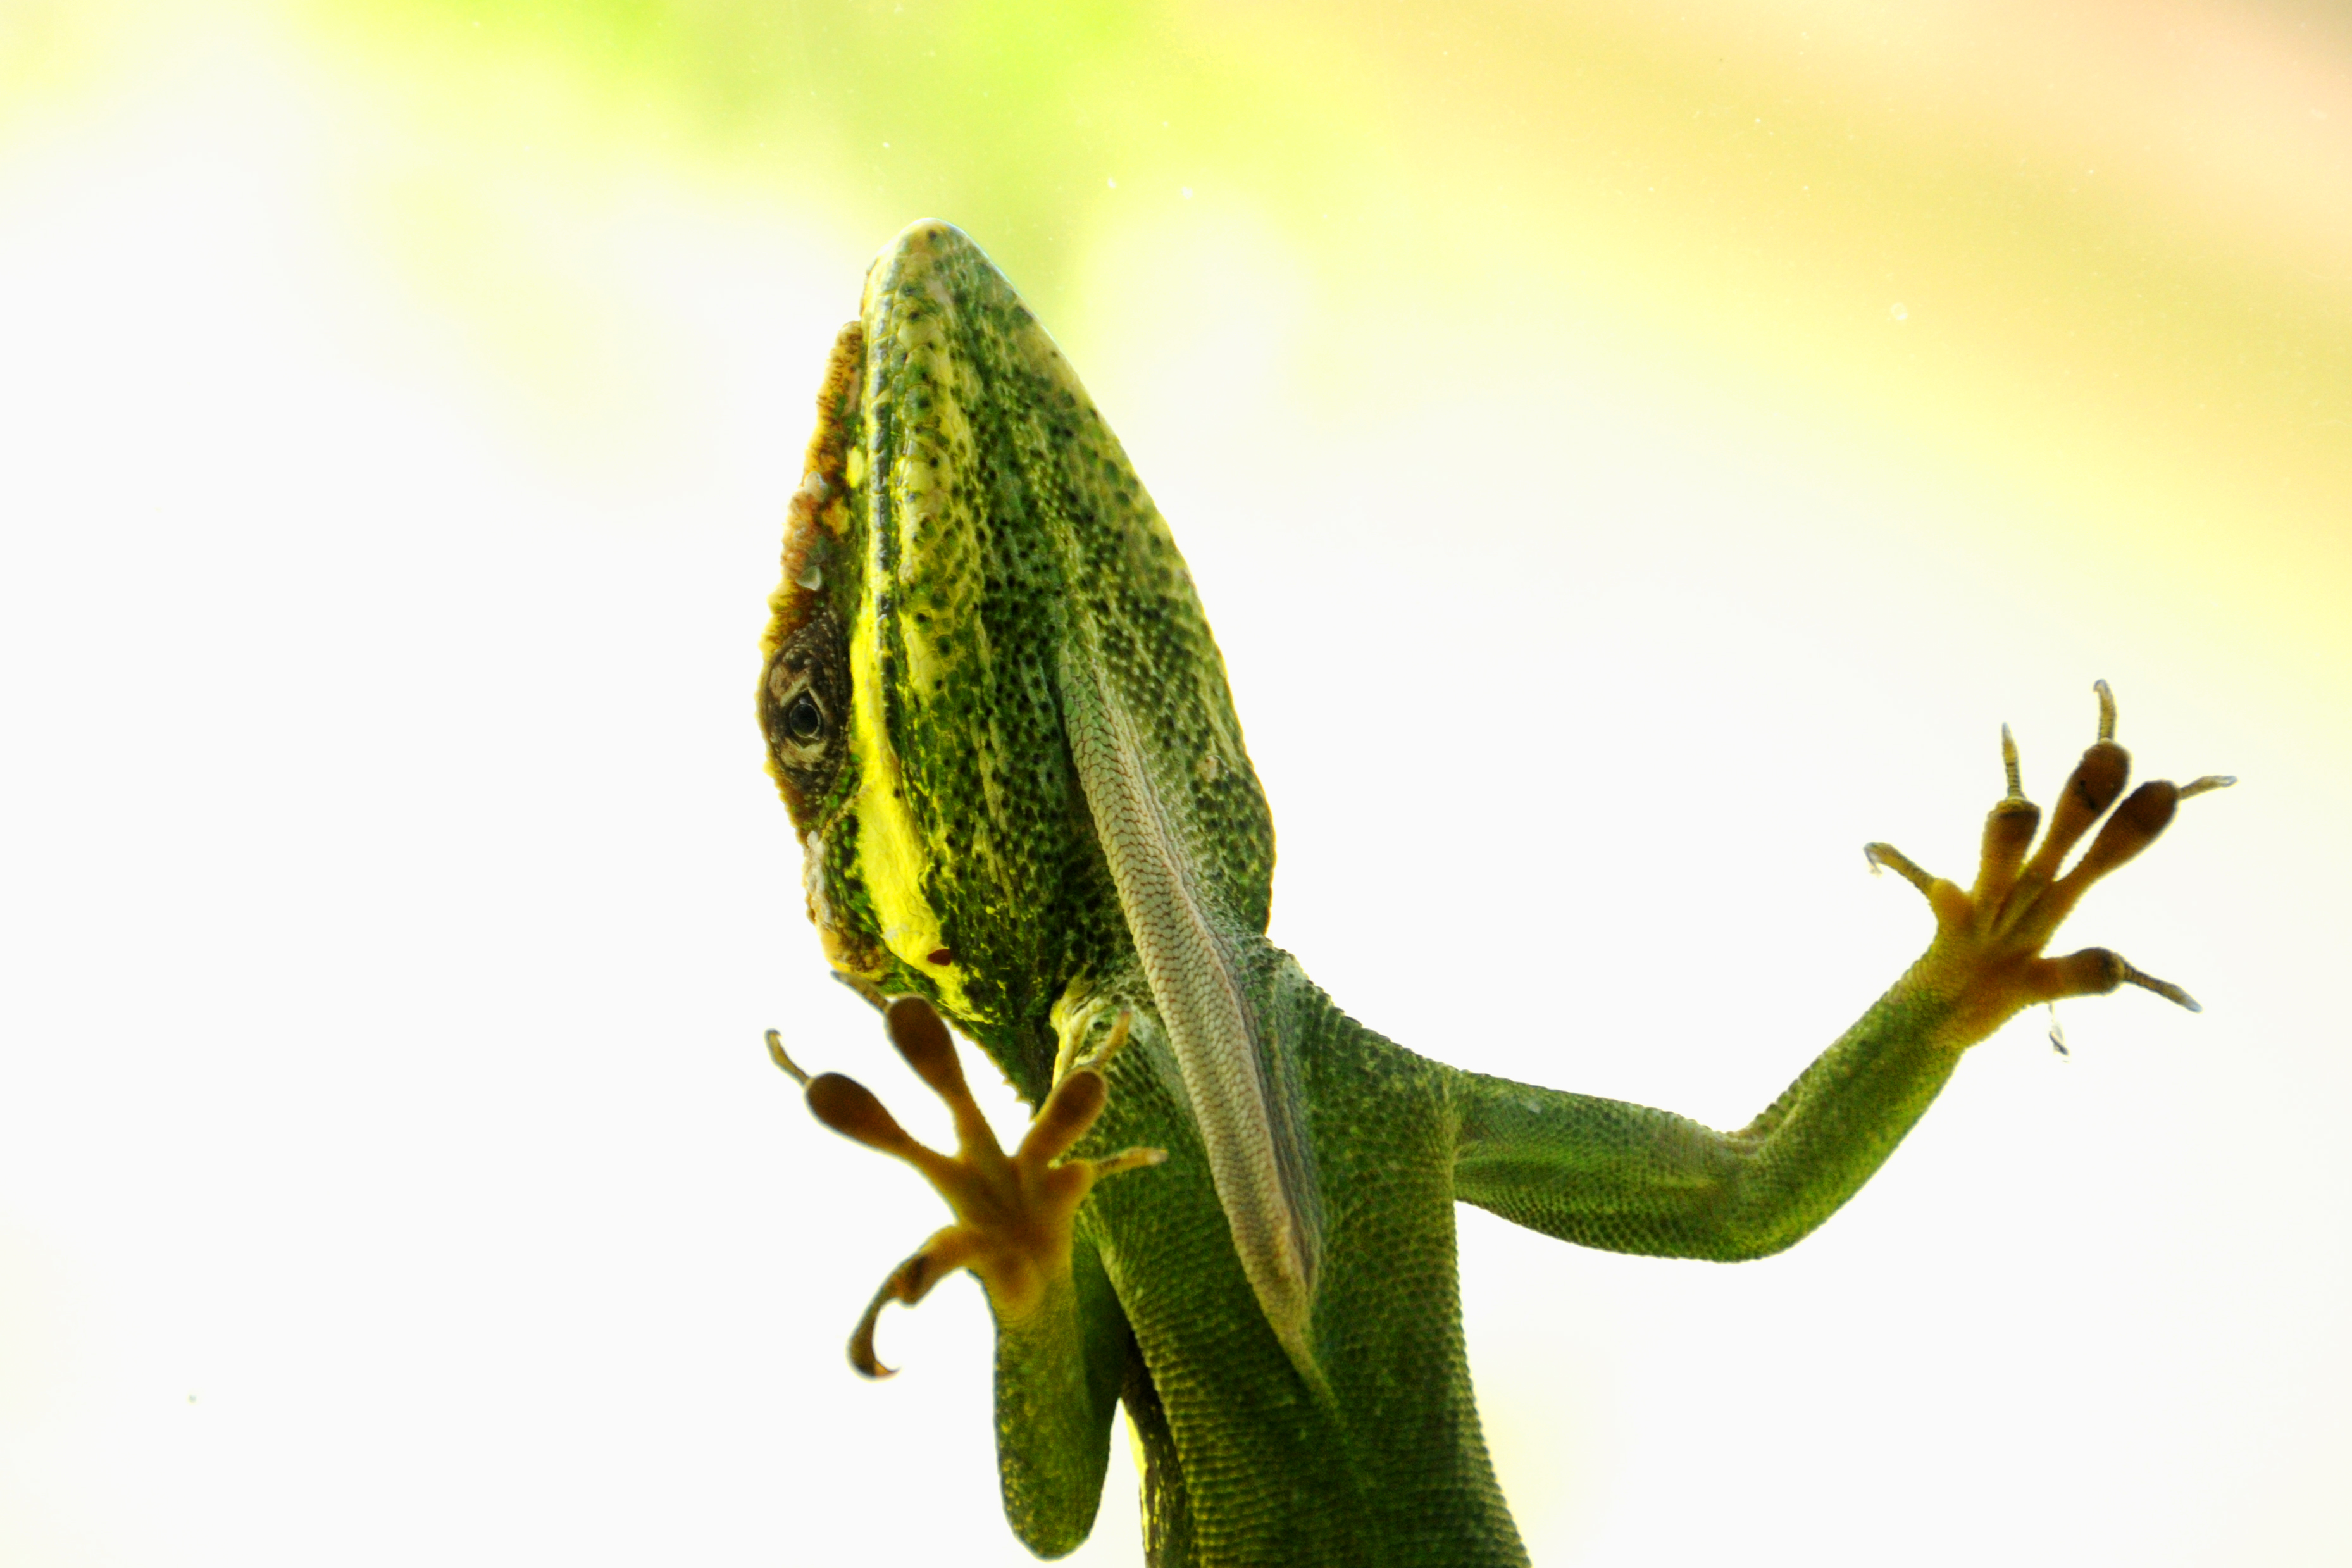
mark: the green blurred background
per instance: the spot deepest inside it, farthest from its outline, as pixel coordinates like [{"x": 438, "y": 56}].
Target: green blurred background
[{"x": 1632, "y": 455}]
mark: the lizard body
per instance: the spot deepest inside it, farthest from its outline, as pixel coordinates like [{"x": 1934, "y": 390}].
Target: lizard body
[{"x": 998, "y": 716}]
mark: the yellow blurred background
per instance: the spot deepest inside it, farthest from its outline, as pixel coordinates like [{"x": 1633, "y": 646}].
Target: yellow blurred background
[{"x": 1632, "y": 454}]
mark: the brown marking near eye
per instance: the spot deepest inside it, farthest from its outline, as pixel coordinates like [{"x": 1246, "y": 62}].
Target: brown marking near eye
[
  {"x": 817, "y": 516},
  {"x": 828, "y": 457}
]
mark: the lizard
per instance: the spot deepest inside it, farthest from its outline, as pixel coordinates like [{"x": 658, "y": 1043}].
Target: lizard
[{"x": 997, "y": 715}]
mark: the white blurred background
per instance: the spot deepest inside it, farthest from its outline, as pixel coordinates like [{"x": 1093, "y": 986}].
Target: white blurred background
[{"x": 1629, "y": 463}]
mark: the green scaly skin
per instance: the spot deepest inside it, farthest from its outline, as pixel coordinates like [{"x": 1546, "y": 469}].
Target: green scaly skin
[{"x": 1001, "y": 722}]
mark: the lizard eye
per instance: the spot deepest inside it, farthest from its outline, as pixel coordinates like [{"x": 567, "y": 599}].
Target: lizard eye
[
  {"x": 803, "y": 720},
  {"x": 804, "y": 704}
]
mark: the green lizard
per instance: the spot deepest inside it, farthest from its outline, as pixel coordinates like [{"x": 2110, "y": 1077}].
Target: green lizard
[{"x": 1001, "y": 726}]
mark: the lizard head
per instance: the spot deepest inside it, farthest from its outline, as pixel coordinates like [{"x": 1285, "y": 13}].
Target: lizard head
[{"x": 965, "y": 522}]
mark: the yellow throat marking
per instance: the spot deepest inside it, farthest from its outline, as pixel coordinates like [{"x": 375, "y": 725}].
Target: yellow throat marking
[{"x": 893, "y": 854}]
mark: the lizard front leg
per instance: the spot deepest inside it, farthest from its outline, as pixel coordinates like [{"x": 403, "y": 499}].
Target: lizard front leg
[
  {"x": 1633, "y": 1179},
  {"x": 1061, "y": 1341}
]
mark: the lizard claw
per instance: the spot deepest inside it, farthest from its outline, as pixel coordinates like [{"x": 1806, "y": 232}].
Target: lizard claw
[
  {"x": 2095, "y": 971},
  {"x": 1987, "y": 955},
  {"x": 776, "y": 1055},
  {"x": 1014, "y": 1212},
  {"x": 1882, "y": 856},
  {"x": 945, "y": 1253}
]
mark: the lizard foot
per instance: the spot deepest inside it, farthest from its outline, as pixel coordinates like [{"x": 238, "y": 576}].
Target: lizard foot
[
  {"x": 1013, "y": 1212},
  {"x": 1986, "y": 960}
]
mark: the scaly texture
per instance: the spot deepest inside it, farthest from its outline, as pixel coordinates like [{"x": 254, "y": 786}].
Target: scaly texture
[{"x": 997, "y": 714}]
